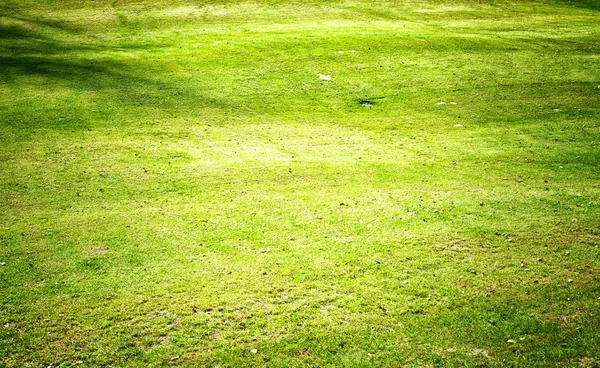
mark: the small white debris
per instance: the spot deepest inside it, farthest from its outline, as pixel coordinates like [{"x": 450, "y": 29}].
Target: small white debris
[
  {"x": 324, "y": 77},
  {"x": 570, "y": 280},
  {"x": 254, "y": 351},
  {"x": 353, "y": 51},
  {"x": 510, "y": 341},
  {"x": 457, "y": 125},
  {"x": 452, "y": 103},
  {"x": 2, "y": 263},
  {"x": 441, "y": 103},
  {"x": 266, "y": 250},
  {"x": 175, "y": 357}
]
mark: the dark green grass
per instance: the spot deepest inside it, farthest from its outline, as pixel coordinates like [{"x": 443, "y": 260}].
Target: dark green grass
[{"x": 178, "y": 187}]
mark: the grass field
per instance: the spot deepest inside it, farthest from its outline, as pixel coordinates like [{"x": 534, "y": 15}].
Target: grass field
[{"x": 306, "y": 184}]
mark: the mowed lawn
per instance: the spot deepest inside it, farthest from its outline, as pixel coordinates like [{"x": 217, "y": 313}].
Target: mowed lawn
[{"x": 299, "y": 184}]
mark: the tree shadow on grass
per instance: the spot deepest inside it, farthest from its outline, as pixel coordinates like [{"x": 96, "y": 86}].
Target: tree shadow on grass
[
  {"x": 585, "y": 4},
  {"x": 52, "y": 69}
]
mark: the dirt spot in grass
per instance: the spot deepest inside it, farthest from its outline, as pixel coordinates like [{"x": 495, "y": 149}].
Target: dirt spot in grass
[
  {"x": 301, "y": 353},
  {"x": 589, "y": 362},
  {"x": 175, "y": 324},
  {"x": 481, "y": 352},
  {"x": 366, "y": 103},
  {"x": 10, "y": 196},
  {"x": 99, "y": 251}
]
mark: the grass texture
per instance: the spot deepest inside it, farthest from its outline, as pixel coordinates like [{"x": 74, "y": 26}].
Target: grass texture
[{"x": 299, "y": 184}]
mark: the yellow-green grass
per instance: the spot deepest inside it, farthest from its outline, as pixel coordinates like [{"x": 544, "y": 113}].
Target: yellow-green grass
[{"x": 179, "y": 187}]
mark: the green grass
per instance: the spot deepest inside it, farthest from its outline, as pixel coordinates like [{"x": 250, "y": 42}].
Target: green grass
[{"x": 178, "y": 186}]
